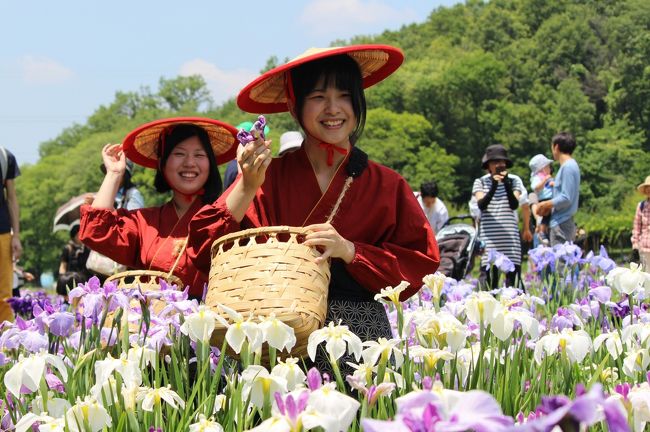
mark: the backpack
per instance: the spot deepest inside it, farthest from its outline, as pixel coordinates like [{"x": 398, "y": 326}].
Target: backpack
[
  {"x": 4, "y": 164},
  {"x": 642, "y": 205}
]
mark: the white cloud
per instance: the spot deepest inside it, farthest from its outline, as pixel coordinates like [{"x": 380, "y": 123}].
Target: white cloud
[
  {"x": 353, "y": 17},
  {"x": 43, "y": 71},
  {"x": 222, "y": 84}
]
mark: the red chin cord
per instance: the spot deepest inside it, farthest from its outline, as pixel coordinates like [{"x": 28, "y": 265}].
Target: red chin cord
[{"x": 330, "y": 149}]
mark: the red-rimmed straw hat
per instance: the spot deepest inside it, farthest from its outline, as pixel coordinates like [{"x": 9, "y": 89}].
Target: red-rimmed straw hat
[
  {"x": 267, "y": 93},
  {"x": 141, "y": 144}
]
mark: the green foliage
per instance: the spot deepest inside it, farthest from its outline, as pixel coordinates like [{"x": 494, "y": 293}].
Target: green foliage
[
  {"x": 478, "y": 73},
  {"x": 403, "y": 142}
]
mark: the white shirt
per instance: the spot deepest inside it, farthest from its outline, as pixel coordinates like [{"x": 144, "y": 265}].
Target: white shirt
[{"x": 437, "y": 214}]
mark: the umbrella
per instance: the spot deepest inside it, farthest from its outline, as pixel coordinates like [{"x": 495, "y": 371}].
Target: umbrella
[{"x": 68, "y": 214}]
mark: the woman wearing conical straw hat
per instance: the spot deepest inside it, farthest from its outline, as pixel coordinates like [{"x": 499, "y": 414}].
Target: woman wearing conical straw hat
[
  {"x": 185, "y": 152},
  {"x": 379, "y": 236}
]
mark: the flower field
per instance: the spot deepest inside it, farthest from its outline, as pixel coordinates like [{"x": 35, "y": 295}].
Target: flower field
[{"x": 569, "y": 353}]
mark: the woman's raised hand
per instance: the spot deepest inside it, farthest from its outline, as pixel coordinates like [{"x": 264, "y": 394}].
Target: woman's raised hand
[
  {"x": 253, "y": 159},
  {"x": 330, "y": 242},
  {"x": 114, "y": 159}
]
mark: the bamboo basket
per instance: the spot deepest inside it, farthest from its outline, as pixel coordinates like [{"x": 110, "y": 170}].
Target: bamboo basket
[
  {"x": 147, "y": 280},
  {"x": 268, "y": 270}
]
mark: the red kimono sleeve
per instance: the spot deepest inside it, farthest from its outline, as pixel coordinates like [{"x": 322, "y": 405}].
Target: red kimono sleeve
[
  {"x": 408, "y": 252},
  {"x": 209, "y": 223},
  {"x": 114, "y": 233}
]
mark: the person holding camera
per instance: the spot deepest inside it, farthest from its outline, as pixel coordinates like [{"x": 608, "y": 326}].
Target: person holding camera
[{"x": 498, "y": 195}]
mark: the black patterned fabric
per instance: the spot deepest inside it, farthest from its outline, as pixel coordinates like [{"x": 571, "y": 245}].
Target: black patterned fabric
[{"x": 367, "y": 320}]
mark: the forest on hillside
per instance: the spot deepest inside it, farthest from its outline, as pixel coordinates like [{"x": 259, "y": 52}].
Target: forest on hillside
[{"x": 508, "y": 71}]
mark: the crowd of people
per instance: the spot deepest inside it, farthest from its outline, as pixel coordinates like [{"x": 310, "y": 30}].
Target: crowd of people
[{"x": 380, "y": 233}]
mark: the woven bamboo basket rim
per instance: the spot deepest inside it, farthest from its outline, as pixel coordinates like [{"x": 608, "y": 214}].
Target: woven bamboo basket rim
[
  {"x": 251, "y": 232},
  {"x": 169, "y": 278}
]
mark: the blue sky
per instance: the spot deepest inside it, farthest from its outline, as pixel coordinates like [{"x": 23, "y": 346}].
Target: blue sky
[{"x": 60, "y": 61}]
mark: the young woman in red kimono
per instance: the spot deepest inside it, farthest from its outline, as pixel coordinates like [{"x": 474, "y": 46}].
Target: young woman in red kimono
[
  {"x": 379, "y": 235},
  {"x": 185, "y": 153}
]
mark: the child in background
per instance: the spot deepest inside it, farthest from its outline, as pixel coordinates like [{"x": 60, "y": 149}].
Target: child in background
[{"x": 541, "y": 182}]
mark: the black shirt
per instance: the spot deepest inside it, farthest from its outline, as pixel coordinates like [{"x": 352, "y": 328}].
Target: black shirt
[{"x": 12, "y": 172}]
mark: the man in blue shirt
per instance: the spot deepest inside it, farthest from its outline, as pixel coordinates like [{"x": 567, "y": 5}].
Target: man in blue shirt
[{"x": 566, "y": 192}]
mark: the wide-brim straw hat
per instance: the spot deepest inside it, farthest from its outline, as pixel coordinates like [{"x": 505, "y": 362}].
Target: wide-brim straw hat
[
  {"x": 267, "y": 93},
  {"x": 645, "y": 184},
  {"x": 141, "y": 144}
]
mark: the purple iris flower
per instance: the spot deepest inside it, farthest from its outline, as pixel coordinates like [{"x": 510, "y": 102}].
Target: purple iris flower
[
  {"x": 54, "y": 383},
  {"x": 570, "y": 253},
  {"x": 290, "y": 407},
  {"x": 602, "y": 293},
  {"x": 97, "y": 299},
  {"x": 244, "y": 137},
  {"x": 33, "y": 341},
  {"x": 424, "y": 412},
  {"x": 542, "y": 257},
  {"x": 500, "y": 261},
  {"x": 456, "y": 291},
  {"x": 259, "y": 126},
  {"x": 602, "y": 261},
  {"x": 61, "y": 323},
  {"x": 454, "y": 307},
  {"x": 583, "y": 411},
  {"x": 5, "y": 422},
  {"x": 564, "y": 318},
  {"x": 314, "y": 379},
  {"x": 586, "y": 308},
  {"x": 157, "y": 337}
]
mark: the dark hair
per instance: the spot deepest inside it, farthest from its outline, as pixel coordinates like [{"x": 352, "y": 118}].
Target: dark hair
[
  {"x": 340, "y": 70},
  {"x": 565, "y": 142},
  {"x": 73, "y": 231},
  {"x": 128, "y": 184},
  {"x": 429, "y": 189},
  {"x": 172, "y": 137}
]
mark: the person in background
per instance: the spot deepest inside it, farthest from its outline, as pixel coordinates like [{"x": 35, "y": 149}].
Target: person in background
[
  {"x": 541, "y": 183},
  {"x": 641, "y": 226},
  {"x": 72, "y": 266},
  {"x": 10, "y": 246},
  {"x": 433, "y": 207},
  {"x": 566, "y": 191},
  {"x": 20, "y": 277},
  {"x": 498, "y": 195},
  {"x": 128, "y": 196},
  {"x": 290, "y": 141},
  {"x": 185, "y": 152}
]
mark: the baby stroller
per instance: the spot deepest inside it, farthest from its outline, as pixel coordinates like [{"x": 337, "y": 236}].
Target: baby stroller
[{"x": 459, "y": 245}]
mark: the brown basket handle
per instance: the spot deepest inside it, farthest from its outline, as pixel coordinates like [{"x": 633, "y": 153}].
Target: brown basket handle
[{"x": 178, "y": 258}]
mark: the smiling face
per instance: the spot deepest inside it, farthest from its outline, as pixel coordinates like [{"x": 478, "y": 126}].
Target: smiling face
[
  {"x": 187, "y": 168},
  {"x": 328, "y": 115},
  {"x": 329, "y": 104}
]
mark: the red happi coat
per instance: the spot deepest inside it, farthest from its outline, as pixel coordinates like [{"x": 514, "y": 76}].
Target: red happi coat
[
  {"x": 379, "y": 214},
  {"x": 143, "y": 239}
]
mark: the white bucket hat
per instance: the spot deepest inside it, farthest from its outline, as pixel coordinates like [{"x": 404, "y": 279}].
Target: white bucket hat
[
  {"x": 289, "y": 141},
  {"x": 538, "y": 162}
]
